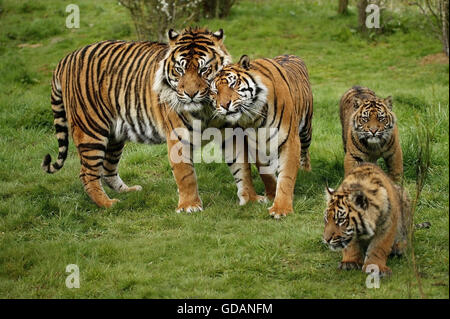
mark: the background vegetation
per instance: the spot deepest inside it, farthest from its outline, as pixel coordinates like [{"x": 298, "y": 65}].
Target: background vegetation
[
  {"x": 141, "y": 248},
  {"x": 153, "y": 18}
]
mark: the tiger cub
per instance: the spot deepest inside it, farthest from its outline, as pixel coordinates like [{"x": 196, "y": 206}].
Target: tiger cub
[
  {"x": 368, "y": 212},
  {"x": 369, "y": 131},
  {"x": 269, "y": 94}
]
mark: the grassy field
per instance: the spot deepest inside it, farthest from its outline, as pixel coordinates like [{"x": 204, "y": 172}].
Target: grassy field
[{"x": 141, "y": 248}]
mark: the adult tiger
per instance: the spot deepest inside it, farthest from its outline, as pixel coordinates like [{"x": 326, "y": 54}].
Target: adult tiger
[
  {"x": 368, "y": 212},
  {"x": 111, "y": 92},
  {"x": 270, "y": 93},
  {"x": 369, "y": 131}
]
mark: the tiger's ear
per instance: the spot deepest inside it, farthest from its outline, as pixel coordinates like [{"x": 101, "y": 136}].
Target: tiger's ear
[
  {"x": 359, "y": 199},
  {"x": 172, "y": 35},
  {"x": 388, "y": 102},
  {"x": 218, "y": 35},
  {"x": 357, "y": 103},
  {"x": 244, "y": 62},
  {"x": 328, "y": 193}
]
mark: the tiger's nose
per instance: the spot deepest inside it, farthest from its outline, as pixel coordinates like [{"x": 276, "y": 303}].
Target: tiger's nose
[
  {"x": 226, "y": 105},
  {"x": 373, "y": 130},
  {"x": 328, "y": 238},
  {"x": 191, "y": 95}
]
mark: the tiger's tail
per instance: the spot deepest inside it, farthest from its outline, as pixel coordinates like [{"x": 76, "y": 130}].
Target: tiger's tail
[
  {"x": 61, "y": 127},
  {"x": 424, "y": 225}
]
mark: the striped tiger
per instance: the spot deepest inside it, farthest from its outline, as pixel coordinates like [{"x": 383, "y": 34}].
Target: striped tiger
[
  {"x": 369, "y": 131},
  {"x": 111, "y": 92},
  {"x": 367, "y": 212},
  {"x": 270, "y": 93}
]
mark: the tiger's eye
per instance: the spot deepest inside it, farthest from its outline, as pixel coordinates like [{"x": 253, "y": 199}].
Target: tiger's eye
[{"x": 204, "y": 69}]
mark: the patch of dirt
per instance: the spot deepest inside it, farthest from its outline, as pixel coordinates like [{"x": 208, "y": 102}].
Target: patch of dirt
[
  {"x": 56, "y": 40},
  {"x": 45, "y": 69},
  {"x": 438, "y": 58},
  {"x": 27, "y": 45}
]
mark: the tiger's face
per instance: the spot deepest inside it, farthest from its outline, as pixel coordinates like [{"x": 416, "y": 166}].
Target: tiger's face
[
  {"x": 373, "y": 120},
  {"x": 345, "y": 216},
  {"x": 192, "y": 61},
  {"x": 237, "y": 95},
  {"x": 339, "y": 228}
]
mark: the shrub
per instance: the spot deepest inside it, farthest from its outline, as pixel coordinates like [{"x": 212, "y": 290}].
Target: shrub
[{"x": 153, "y": 18}]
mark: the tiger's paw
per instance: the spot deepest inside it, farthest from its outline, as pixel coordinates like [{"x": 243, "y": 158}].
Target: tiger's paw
[
  {"x": 350, "y": 265},
  {"x": 243, "y": 200},
  {"x": 189, "y": 208},
  {"x": 305, "y": 162},
  {"x": 109, "y": 203},
  {"x": 277, "y": 212},
  {"x": 306, "y": 167},
  {"x": 398, "y": 249},
  {"x": 383, "y": 271},
  {"x": 135, "y": 188},
  {"x": 261, "y": 199}
]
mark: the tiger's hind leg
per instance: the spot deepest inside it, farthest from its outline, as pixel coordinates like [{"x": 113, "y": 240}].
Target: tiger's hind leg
[
  {"x": 92, "y": 154},
  {"x": 305, "y": 133},
  {"x": 269, "y": 180},
  {"x": 398, "y": 249},
  {"x": 243, "y": 179},
  {"x": 305, "y": 161},
  {"x": 110, "y": 168},
  {"x": 288, "y": 164}
]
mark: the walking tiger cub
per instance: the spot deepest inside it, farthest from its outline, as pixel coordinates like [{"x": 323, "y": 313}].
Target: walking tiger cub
[
  {"x": 368, "y": 212},
  {"x": 270, "y": 94},
  {"x": 369, "y": 131}
]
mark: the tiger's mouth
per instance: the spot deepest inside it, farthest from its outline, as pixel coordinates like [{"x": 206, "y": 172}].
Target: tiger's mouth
[
  {"x": 235, "y": 111},
  {"x": 233, "y": 117},
  {"x": 232, "y": 114},
  {"x": 338, "y": 244},
  {"x": 191, "y": 107},
  {"x": 190, "y": 104},
  {"x": 180, "y": 103},
  {"x": 373, "y": 140}
]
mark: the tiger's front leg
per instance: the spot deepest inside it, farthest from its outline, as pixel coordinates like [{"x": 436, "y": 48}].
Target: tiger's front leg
[
  {"x": 289, "y": 161},
  {"x": 240, "y": 168},
  {"x": 352, "y": 160},
  {"x": 378, "y": 252},
  {"x": 185, "y": 177},
  {"x": 242, "y": 176},
  {"x": 394, "y": 163},
  {"x": 351, "y": 256},
  {"x": 269, "y": 180}
]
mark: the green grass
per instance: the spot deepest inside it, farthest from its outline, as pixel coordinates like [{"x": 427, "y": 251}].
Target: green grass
[{"x": 141, "y": 248}]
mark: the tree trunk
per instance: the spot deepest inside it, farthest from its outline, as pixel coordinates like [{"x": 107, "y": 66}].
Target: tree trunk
[
  {"x": 210, "y": 8},
  {"x": 343, "y": 4},
  {"x": 445, "y": 22},
  {"x": 217, "y": 8},
  {"x": 362, "y": 15}
]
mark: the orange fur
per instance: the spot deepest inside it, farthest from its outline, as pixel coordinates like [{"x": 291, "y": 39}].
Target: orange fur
[
  {"x": 270, "y": 93},
  {"x": 111, "y": 92},
  {"x": 365, "y": 136},
  {"x": 368, "y": 212}
]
